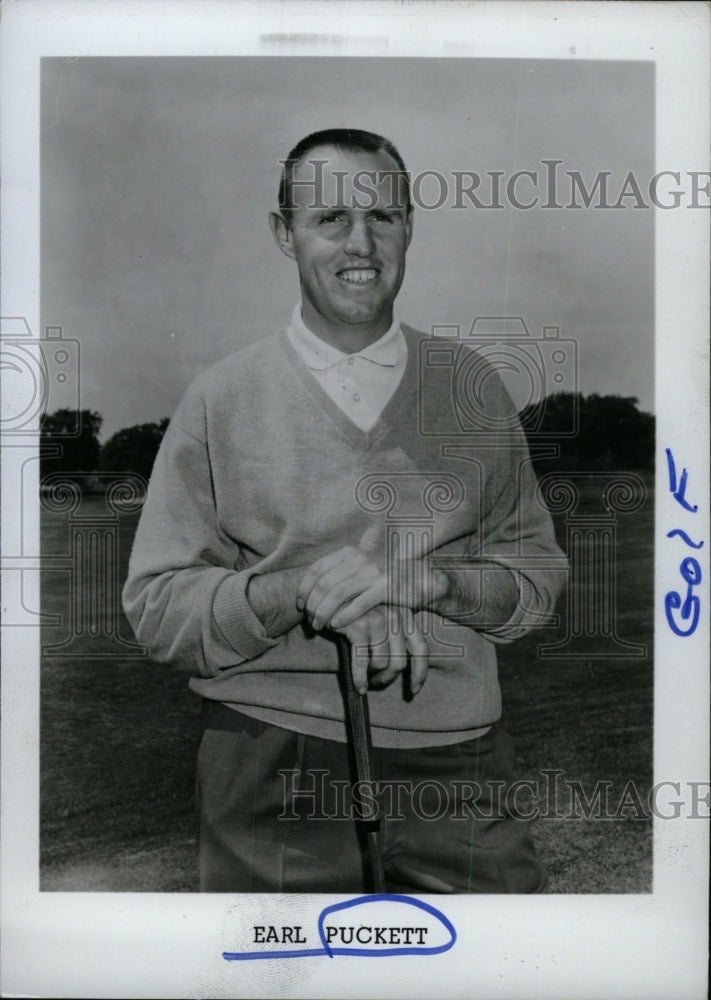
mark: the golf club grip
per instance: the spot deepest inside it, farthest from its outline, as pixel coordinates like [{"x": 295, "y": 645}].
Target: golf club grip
[
  {"x": 358, "y": 716},
  {"x": 359, "y": 720}
]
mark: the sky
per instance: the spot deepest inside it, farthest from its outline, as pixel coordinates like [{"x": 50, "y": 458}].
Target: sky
[{"x": 157, "y": 176}]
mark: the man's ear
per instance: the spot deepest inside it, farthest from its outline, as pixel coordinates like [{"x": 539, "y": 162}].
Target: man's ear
[
  {"x": 408, "y": 226},
  {"x": 282, "y": 234}
]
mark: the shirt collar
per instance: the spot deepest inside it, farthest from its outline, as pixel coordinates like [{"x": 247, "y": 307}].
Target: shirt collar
[{"x": 319, "y": 355}]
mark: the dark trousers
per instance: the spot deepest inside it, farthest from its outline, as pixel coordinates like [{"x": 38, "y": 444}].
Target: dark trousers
[{"x": 276, "y": 814}]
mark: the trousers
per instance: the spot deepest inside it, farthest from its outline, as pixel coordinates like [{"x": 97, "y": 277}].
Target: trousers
[{"x": 277, "y": 813}]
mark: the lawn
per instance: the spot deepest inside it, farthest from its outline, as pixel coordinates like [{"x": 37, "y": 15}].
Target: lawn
[{"x": 119, "y": 734}]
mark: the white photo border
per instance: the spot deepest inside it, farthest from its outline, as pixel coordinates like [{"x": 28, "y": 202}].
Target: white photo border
[{"x": 159, "y": 945}]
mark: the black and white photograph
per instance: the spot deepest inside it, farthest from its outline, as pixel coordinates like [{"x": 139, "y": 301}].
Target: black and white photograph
[{"x": 356, "y": 520}]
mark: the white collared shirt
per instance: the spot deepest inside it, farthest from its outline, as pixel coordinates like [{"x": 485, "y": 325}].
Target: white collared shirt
[{"x": 360, "y": 384}]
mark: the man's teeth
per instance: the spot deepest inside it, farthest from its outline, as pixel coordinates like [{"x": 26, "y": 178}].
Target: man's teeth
[{"x": 357, "y": 277}]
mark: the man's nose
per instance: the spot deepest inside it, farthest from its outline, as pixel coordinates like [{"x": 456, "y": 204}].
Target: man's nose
[{"x": 360, "y": 239}]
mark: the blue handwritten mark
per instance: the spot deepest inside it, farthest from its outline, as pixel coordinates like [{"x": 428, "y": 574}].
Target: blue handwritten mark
[
  {"x": 678, "y": 489},
  {"x": 326, "y": 949},
  {"x": 691, "y": 605},
  {"x": 683, "y": 534}
]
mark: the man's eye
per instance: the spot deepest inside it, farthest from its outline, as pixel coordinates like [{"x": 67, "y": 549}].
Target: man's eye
[
  {"x": 381, "y": 217},
  {"x": 333, "y": 217}
]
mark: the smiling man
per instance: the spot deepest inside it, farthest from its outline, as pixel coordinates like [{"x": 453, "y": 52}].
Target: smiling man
[
  {"x": 347, "y": 221},
  {"x": 294, "y": 496}
]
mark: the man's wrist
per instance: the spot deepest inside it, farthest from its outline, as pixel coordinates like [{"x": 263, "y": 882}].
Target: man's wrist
[
  {"x": 483, "y": 594},
  {"x": 272, "y": 597}
]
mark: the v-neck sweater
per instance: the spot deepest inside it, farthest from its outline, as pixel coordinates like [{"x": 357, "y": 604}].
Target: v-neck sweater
[
  {"x": 360, "y": 383},
  {"x": 260, "y": 470}
]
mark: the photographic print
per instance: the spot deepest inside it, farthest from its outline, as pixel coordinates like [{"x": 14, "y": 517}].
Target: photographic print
[{"x": 359, "y": 526}]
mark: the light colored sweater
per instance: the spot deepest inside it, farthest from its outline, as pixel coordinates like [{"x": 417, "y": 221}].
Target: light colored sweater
[
  {"x": 260, "y": 470},
  {"x": 360, "y": 384}
]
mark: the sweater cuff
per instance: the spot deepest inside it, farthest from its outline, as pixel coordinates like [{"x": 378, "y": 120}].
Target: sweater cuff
[
  {"x": 235, "y": 621},
  {"x": 516, "y": 626}
]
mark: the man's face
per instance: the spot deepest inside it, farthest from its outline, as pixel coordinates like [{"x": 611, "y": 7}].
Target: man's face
[{"x": 349, "y": 238}]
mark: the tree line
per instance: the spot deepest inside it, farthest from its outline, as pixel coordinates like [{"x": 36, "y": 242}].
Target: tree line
[
  {"x": 592, "y": 432},
  {"x": 130, "y": 450}
]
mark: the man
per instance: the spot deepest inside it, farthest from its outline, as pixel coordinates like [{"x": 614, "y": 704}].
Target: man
[{"x": 319, "y": 481}]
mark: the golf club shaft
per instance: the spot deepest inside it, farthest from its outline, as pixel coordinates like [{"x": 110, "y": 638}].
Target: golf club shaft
[{"x": 359, "y": 725}]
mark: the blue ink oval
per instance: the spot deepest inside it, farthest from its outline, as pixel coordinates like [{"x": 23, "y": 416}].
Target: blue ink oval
[
  {"x": 385, "y": 952},
  {"x": 244, "y": 956}
]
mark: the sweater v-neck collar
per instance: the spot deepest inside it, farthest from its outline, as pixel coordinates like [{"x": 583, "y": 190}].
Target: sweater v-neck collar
[{"x": 365, "y": 440}]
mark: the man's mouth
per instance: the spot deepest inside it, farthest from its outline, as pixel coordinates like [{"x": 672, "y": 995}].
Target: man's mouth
[{"x": 358, "y": 275}]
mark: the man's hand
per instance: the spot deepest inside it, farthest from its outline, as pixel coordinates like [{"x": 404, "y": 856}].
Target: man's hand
[
  {"x": 383, "y": 642},
  {"x": 343, "y": 586},
  {"x": 383, "y": 639}
]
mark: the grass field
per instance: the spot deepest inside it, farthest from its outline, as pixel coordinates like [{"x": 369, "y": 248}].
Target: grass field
[{"x": 119, "y": 737}]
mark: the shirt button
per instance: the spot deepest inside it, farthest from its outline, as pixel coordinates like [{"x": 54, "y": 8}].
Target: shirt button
[
  {"x": 356, "y": 396},
  {"x": 351, "y": 360}
]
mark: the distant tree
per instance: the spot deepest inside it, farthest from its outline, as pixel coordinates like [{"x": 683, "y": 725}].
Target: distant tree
[
  {"x": 613, "y": 433},
  {"x": 68, "y": 444},
  {"x": 133, "y": 449}
]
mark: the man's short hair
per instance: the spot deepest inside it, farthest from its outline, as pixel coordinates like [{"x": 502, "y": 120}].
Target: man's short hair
[{"x": 348, "y": 140}]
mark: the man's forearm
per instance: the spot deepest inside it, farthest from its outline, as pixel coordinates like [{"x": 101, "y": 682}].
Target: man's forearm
[
  {"x": 272, "y": 597},
  {"x": 341, "y": 587},
  {"x": 484, "y": 594}
]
